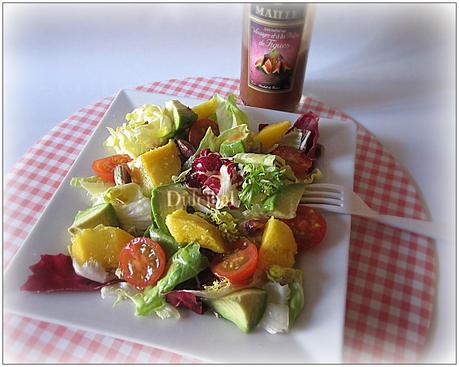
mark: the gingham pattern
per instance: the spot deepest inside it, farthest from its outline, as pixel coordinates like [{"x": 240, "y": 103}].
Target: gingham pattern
[{"x": 391, "y": 272}]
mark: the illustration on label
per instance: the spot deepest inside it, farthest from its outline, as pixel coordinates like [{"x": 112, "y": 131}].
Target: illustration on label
[
  {"x": 272, "y": 56},
  {"x": 273, "y": 63}
]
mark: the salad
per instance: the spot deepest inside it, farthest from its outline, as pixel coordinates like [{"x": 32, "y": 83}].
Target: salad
[{"x": 194, "y": 210}]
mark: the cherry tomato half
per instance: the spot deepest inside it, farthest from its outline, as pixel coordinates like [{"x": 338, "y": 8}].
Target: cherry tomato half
[
  {"x": 309, "y": 227},
  {"x": 295, "y": 158},
  {"x": 199, "y": 129},
  {"x": 238, "y": 266},
  {"x": 142, "y": 262},
  {"x": 104, "y": 167}
]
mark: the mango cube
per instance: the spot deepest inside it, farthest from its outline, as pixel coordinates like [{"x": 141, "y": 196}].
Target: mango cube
[
  {"x": 186, "y": 228},
  {"x": 102, "y": 244},
  {"x": 278, "y": 245},
  {"x": 205, "y": 109},
  {"x": 272, "y": 133},
  {"x": 156, "y": 167}
]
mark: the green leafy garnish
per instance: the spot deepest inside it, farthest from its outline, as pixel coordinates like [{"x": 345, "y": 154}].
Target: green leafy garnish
[{"x": 260, "y": 182}]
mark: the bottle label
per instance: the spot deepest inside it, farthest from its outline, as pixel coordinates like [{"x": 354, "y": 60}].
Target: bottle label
[{"x": 274, "y": 42}]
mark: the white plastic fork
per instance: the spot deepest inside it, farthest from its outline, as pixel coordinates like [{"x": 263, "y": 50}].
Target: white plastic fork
[{"x": 337, "y": 199}]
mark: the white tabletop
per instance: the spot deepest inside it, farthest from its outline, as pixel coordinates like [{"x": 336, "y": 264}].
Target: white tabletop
[{"x": 390, "y": 66}]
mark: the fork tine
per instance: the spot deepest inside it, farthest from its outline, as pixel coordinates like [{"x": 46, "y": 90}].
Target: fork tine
[
  {"x": 316, "y": 200},
  {"x": 328, "y": 208},
  {"x": 325, "y": 186},
  {"x": 325, "y": 194}
]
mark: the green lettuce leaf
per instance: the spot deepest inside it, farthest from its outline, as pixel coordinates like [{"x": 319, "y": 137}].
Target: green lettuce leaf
[
  {"x": 276, "y": 317},
  {"x": 209, "y": 141},
  {"x": 131, "y": 206},
  {"x": 181, "y": 177},
  {"x": 284, "y": 275},
  {"x": 122, "y": 194},
  {"x": 93, "y": 185},
  {"x": 315, "y": 175},
  {"x": 268, "y": 160},
  {"x": 294, "y": 279},
  {"x": 167, "y": 242},
  {"x": 292, "y": 139},
  {"x": 186, "y": 263},
  {"x": 213, "y": 142},
  {"x": 148, "y": 126},
  {"x": 296, "y": 301},
  {"x": 228, "y": 114}
]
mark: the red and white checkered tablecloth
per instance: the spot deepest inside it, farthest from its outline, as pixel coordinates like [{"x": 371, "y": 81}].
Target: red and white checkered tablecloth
[{"x": 391, "y": 280}]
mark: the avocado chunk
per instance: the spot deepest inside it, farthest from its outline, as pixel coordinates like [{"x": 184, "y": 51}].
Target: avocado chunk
[
  {"x": 91, "y": 217},
  {"x": 228, "y": 149},
  {"x": 245, "y": 307},
  {"x": 284, "y": 203},
  {"x": 182, "y": 115},
  {"x": 165, "y": 200},
  {"x": 235, "y": 143}
]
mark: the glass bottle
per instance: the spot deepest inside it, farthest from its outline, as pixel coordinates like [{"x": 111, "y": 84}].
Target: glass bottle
[{"x": 275, "y": 47}]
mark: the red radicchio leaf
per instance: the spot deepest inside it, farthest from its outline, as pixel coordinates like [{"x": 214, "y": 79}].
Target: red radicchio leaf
[
  {"x": 309, "y": 122},
  {"x": 213, "y": 183},
  {"x": 236, "y": 177},
  {"x": 55, "y": 273},
  {"x": 196, "y": 179},
  {"x": 205, "y": 173},
  {"x": 207, "y": 162},
  {"x": 186, "y": 300}
]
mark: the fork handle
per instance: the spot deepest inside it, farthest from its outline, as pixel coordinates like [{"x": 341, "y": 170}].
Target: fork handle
[{"x": 423, "y": 227}]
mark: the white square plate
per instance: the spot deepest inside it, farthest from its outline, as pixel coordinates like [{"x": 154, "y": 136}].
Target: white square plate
[{"x": 318, "y": 333}]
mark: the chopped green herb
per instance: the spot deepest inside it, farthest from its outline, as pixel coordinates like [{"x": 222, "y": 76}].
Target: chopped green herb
[{"x": 260, "y": 182}]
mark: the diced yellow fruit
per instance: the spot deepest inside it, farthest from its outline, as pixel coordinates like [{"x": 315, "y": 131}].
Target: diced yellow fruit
[
  {"x": 156, "y": 167},
  {"x": 205, "y": 109},
  {"x": 186, "y": 228},
  {"x": 278, "y": 245},
  {"x": 101, "y": 243},
  {"x": 272, "y": 133}
]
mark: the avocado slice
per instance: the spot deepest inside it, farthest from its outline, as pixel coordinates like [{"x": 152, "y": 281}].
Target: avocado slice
[
  {"x": 235, "y": 143},
  {"x": 245, "y": 307},
  {"x": 98, "y": 214},
  {"x": 284, "y": 203},
  {"x": 228, "y": 149},
  {"x": 165, "y": 200},
  {"x": 182, "y": 115}
]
